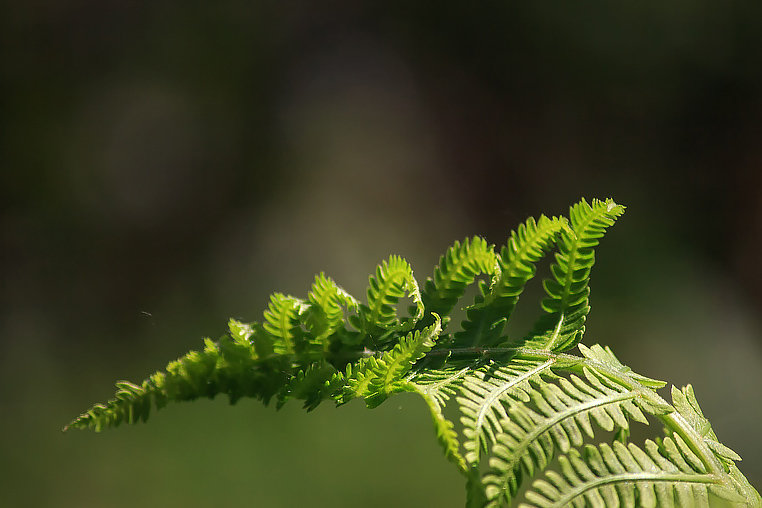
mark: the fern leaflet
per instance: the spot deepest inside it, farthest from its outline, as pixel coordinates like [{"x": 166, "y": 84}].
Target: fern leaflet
[
  {"x": 568, "y": 290},
  {"x": 492, "y": 309}
]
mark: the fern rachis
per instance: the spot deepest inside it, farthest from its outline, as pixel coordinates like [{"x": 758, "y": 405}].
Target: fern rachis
[{"x": 509, "y": 413}]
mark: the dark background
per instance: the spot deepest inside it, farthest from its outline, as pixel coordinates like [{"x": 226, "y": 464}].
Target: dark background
[{"x": 163, "y": 168}]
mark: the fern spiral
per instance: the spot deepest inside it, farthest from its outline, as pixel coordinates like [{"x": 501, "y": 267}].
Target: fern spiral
[{"x": 523, "y": 420}]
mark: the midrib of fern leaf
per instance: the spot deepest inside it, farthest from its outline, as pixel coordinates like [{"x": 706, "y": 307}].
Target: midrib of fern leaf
[{"x": 492, "y": 309}]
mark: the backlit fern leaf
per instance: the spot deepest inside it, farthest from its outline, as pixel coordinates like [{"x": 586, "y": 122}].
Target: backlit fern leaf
[
  {"x": 456, "y": 270},
  {"x": 226, "y": 367},
  {"x": 393, "y": 280},
  {"x": 559, "y": 419},
  {"x": 325, "y": 314},
  {"x": 568, "y": 290},
  {"x": 375, "y": 379},
  {"x": 626, "y": 475},
  {"x": 281, "y": 322},
  {"x": 485, "y": 395},
  {"x": 493, "y": 307}
]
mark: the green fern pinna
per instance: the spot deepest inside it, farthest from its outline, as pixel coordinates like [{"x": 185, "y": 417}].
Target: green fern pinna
[{"x": 522, "y": 414}]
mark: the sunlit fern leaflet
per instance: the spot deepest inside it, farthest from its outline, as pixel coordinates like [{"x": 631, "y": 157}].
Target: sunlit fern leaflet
[{"x": 509, "y": 412}]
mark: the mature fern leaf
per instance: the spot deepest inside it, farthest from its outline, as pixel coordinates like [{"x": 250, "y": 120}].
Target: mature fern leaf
[
  {"x": 487, "y": 317},
  {"x": 484, "y": 395},
  {"x": 567, "y": 301},
  {"x": 626, "y": 475},
  {"x": 686, "y": 404},
  {"x": 457, "y": 269},
  {"x": 559, "y": 418},
  {"x": 688, "y": 408},
  {"x": 605, "y": 357}
]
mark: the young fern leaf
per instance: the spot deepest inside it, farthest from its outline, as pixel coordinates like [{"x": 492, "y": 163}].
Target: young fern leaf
[
  {"x": 567, "y": 302},
  {"x": 503, "y": 415},
  {"x": 313, "y": 384},
  {"x": 378, "y": 319},
  {"x": 492, "y": 309},
  {"x": 281, "y": 322},
  {"x": 457, "y": 269},
  {"x": 225, "y": 367},
  {"x": 375, "y": 379},
  {"x": 324, "y": 316}
]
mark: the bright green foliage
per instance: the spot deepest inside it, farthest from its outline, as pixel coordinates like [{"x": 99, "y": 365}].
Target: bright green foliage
[
  {"x": 516, "y": 265},
  {"x": 281, "y": 323},
  {"x": 508, "y": 412},
  {"x": 567, "y": 303},
  {"x": 457, "y": 269},
  {"x": 325, "y": 314},
  {"x": 375, "y": 379},
  {"x": 604, "y": 475},
  {"x": 378, "y": 319}
]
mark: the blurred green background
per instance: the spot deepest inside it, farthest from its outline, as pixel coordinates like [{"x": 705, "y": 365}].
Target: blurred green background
[{"x": 165, "y": 167}]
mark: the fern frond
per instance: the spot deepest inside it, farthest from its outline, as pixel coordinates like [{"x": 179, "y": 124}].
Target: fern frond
[
  {"x": 567, "y": 301},
  {"x": 559, "y": 418},
  {"x": 393, "y": 280},
  {"x": 325, "y": 314},
  {"x": 620, "y": 475},
  {"x": 484, "y": 396},
  {"x": 314, "y": 384},
  {"x": 376, "y": 378},
  {"x": 282, "y": 324},
  {"x": 444, "y": 429},
  {"x": 456, "y": 270},
  {"x": 526, "y": 246},
  {"x": 226, "y": 367},
  {"x": 605, "y": 357},
  {"x": 503, "y": 413}
]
